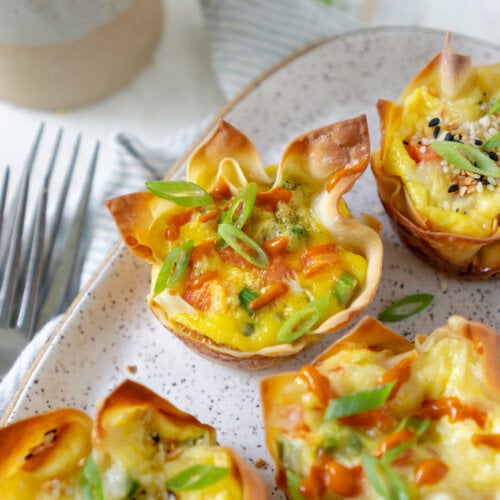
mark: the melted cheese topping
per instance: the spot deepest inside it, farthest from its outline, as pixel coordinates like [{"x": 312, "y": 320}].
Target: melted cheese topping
[
  {"x": 303, "y": 259},
  {"x": 442, "y": 381},
  {"x": 143, "y": 450},
  {"x": 448, "y": 199}
]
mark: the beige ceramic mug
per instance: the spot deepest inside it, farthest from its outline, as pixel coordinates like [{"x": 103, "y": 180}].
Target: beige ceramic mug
[{"x": 56, "y": 54}]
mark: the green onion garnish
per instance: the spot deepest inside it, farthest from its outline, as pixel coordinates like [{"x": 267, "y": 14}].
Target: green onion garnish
[
  {"x": 418, "y": 302},
  {"x": 196, "y": 477},
  {"x": 174, "y": 266},
  {"x": 241, "y": 207},
  {"x": 304, "y": 319},
  {"x": 344, "y": 288},
  {"x": 466, "y": 158},
  {"x": 414, "y": 424},
  {"x": 495, "y": 108},
  {"x": 384, "y": 479},
  {"x": 358, "y": 402},
  {"x": 90, "y": 481},
  {"x": 183, "y": 193},
  {"x": 133, "y": 487},
  {"x": 242, "y": 244},
  {"x": 493, "y": 142},
  {"x": 246, "y": 296},
  {"x": 292, "y": 482}
]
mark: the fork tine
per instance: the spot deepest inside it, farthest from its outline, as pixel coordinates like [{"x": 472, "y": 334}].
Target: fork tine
[
  {"x": 12, "y": 265},
  {"x": 61, "y": 202},
  {"x": 67, "y": 268},
  {"x": 26, "y": 319},
  {"x": 3, "y": 202}
]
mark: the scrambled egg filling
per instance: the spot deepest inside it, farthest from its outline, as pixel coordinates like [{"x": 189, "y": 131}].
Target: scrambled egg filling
[
  {"x": 303, "y": 263},
  {"x": 447, "y": 198},
  {"x": 441, "y": 426},
  {"x": 143, "y": 451}
]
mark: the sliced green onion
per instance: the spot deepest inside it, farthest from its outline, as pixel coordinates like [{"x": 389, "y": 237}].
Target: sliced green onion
[
  {"x": 183, "y": 193},
  {"x": 493, "y": 142},
  {"x": 358, "y": 402},
  {"x": 466, "y": 158},
  {"x": 242, "y": 244},
  {"x": 344, "y": 288},
  {"x": 384, "y": 479},
  {"x": 241, "y": 207},
  {"x": 90, "y": 481},
  {"x": 246, "y": 296},
  {"x": 399, "y": 310},
  {"x": 414, "y": 424},
  {"x": 495, "y": 108},
  {"x": 293, "y": 482},
  {"x": 174, "y": 266},
  {"x": 196, "y": 477},
  {"x": 303, "y": 320},
  {"x": 300, "y": 232},
  {"x": 133, "y": 487}
]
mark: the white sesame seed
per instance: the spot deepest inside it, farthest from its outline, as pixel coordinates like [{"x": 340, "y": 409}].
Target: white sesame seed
[
  {"x": 462, "y": 191},
  {"x": 422, "y": 149},
  {"x": 492, "y": 130},
  {"x": 446, "y": 205},
  {"x": 479, "y": 187},
  {"x": 456, "y": 171},
  {"x": 443, "y": 163},
  {"x": 476, "y": 176},
  {"x": 446, "y": 170},
  {"x": 491, "y": 180},
  {"x": 491, "y": 187}
]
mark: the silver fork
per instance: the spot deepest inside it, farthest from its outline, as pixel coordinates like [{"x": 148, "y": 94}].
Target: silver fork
[{"x": 40, "y": 254}]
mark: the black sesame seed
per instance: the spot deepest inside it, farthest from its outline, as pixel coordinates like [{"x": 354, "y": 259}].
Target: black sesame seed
[
  {"x": 448, "y": 136},
  {"x": 478, "y": 142},
  {"x": 436, "y": 132},
  {"x": 453, "y": 188},
  {"x": 493, "y": 155},
  {"x": 405, "y": 142},
  {"x": 433, "y": 122}
]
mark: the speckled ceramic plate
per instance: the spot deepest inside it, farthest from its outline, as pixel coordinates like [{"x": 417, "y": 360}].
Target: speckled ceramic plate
[{"x": 110, "y": 334}]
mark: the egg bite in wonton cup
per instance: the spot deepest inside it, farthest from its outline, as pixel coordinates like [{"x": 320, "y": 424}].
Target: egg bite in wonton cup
[
  {"x": 142, "y": 442},
  {"x": 138, "y": 446},
  {"x": 43, "y": 456},
  {"x": 437, "y": 168},
  {"x": 250, "y": 263},
  {"x": 377, "y": 416}
]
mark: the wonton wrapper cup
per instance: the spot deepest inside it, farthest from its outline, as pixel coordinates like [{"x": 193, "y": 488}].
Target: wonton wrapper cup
[
  {"x": 132, "y": 401},
  {"x": 451, "y": 75},
  {"x": 335, "y": 155},
  {"x": 36, "y": 449},
  {"x": 371, "y": 334}
]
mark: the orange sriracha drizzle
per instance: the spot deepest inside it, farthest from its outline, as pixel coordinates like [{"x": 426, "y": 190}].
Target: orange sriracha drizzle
[
  {"x": 318, "y": 384},
  {"x": 273, "y": 292},
  {"x": 453, "y": 408},
  {"x": 330, "y": 475},
  {"x": 430, "y": 471},
  {"x": 400, "y": 372},
  {"x": 319, "y": 258},
  {"x": 491, "y": 440}
]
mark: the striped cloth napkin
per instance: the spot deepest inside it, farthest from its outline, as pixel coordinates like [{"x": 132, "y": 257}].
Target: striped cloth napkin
[{"x": 246, "y": 39}]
